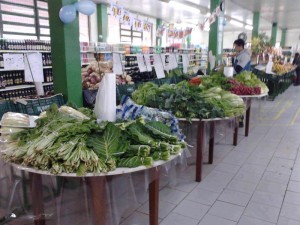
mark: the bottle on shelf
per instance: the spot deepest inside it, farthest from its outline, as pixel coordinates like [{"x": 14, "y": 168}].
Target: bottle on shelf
[{"x": 1, "y": 61}]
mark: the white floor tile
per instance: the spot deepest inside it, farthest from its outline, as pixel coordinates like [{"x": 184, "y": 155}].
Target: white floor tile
[
  {"x": 242, "y": 186},
  {"x": 171, "y": 195},
  {"x": 214, "y": 220},
  {"x": 245, "y": 220},
  {"x": 191, "y": 209},
  {"x": 275, "y": 188},
  {"x": 226, "y": 211},
  {"x": 184, "y": 185},
  {"x": 176, "y": 219},
  {"x": 136, "y": 218},
  {"x": 248, "y": 177},
  {"x": 276, "y": 177},
  {"x": 290, "y": 211},
  {"x": 294, "y": 186},
  {"x": 292, "y": 198},
  {"x": 213, "y": 186},
  {"x": 252, "y": 168},
  {"x": 267, "y": 198},
  {"x": 287, "y": 221},
  {"x": 262, "y": 212},
  {"x": 227, "y": 168},
  {"x": 295, "y": 176},
  {"x": 164, "y": 208},
  {"x": 235, "y": 197},
  {"x": 203, "y": 196}
]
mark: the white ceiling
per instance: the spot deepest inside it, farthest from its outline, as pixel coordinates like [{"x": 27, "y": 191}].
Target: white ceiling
[{"x": 285, "y": 12}]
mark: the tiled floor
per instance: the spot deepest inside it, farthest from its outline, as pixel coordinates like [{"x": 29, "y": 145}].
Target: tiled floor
[{"x": 254, "y": 183}]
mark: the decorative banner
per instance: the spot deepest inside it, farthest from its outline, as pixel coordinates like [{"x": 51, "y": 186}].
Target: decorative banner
[
  {"x": 116, "y": 11},
  {"x": 176, "y": 33},
  {"x": 147, "y": 26},
  {"x": 126, "y": 18},
  {"x": 160, "y": 31},
  {"x": 137, "y": 25},
  {"x": 170, "y": 33},
  {"x": 181, "y": 34},
  {"x": 188, "y": 31},
  {"x": 216, "y": 13}
]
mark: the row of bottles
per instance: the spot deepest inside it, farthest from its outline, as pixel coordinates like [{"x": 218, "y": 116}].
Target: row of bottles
[
  {"x": 48, "y": 76},
  {"x": 15, "y": 94},
  {"x": 47, "y": 59},
  {"x": 49, "y": 90},
  {"x": 130, "y": 61},
  {"x": 11, "y": 78},
  {"x": 35, "y": 45}
]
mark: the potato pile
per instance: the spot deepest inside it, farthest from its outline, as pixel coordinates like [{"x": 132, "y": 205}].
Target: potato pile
[
  {"x": 93, "y": 73},
  {"x": 124, "y": 79}
]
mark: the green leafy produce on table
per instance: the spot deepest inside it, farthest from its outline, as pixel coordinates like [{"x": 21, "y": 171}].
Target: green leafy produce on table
[
  {"x": 188, "y": 101},
  {"x": 66, "y": 140}
]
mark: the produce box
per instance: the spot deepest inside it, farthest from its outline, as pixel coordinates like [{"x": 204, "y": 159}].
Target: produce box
[
  {"x": 277, "y": 84},
  {"x": 125, "y": 89},
  {"x": 6, "y": 106},
  {"x": 36, "y": 106}
]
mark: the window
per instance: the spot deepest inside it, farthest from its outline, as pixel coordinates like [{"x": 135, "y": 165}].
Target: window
[
  {"x": 129, "y": 36},
  {"x": 83, "y": 28},
  {"x": 19, "y": 20}
]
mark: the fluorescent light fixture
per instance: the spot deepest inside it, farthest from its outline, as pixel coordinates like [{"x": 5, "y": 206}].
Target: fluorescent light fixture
[
  {"x": 236, "y": 23},
  {"x": 249, "y": 27},
  {"x": 183, "y": 6}
]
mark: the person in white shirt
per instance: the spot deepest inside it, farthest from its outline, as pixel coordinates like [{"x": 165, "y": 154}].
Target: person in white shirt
[{"x": 242, "y": 60}]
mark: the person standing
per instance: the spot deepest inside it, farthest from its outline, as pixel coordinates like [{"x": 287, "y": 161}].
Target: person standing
[
  {"x": 296, "y": 62},
  {"x": 242, "y": 60}
]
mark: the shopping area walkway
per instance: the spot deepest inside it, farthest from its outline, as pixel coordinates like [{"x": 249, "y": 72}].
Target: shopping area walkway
[{"x": 255, "y": 183}]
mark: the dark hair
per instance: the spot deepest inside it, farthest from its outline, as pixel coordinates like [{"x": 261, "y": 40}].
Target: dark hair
[
  {"x": 239, "y": 42},
  {"x": 297, "y": 55}
]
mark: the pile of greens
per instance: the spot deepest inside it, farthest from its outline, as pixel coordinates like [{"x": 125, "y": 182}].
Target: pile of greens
[
  {"x": 187, "y": 101},
  {"x": 61, "y": 143},
  {"x": 250, "y": 79}
]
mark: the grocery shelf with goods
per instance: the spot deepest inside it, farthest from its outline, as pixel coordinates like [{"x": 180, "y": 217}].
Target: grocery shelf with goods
[{"x": 12, "y": 81}]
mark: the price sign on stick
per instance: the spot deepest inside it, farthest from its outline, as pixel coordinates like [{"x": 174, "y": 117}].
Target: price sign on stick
[
  {"x": 33, "y": 64},
  {"x": 158, "y": 65},
  {"x": 117, "y": 64},
  {"x": 148, "y": 62},
  {"x": 172, "y": 61},
  {"x": 185, "y": 62},
  {"x": 141, "y": 63}
]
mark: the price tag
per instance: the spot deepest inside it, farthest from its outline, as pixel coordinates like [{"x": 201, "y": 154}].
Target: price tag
[
  {"x": 117, "y": 64},
  {"x": 185, "y": 62},
  {"x": 141, "y": 63},
  {"x": 33, "y": 67},
  {"x": 148, "y": 62},
  {"x": 158, "y": 65},
  {"x": 269, "y": 67},
  {"x": 172, "y": 61},
  {"x": 13, "y": 61}
]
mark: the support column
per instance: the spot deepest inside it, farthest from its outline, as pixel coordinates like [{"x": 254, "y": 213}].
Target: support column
[
  {"x": 283, "y": 38},
  {"x": 188, "y": 41},
  {"x": 102, "y": 22},
  {"x": 65, "y": 50},
  {"x": 256, "y": 16},
  {"x": 216, "y": 33},
  {"x": 158, "y": 39},
  {"x": 274, "y": 34}
]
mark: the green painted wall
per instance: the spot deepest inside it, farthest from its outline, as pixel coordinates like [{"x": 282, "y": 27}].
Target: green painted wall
[
  {"x": 274, "y": 34},
  {"x": 283, "y": 38},
  {"x": 214, "y": 33},
  {"x": 158, "y": 39},
  {"x": 256, "y": 17},
  {"x": 65, "y": 50},
  {"x": 102, "y": 21}
]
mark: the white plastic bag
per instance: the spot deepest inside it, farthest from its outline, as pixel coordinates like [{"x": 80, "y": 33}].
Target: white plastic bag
[{"x": 105, "y": 106}]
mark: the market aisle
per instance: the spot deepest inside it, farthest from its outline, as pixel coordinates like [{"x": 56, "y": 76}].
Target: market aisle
[{"x": 255, "y": 183}]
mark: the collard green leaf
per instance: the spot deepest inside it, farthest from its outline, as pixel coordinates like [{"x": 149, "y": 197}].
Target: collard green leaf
[{"x": 110, "y": 144}]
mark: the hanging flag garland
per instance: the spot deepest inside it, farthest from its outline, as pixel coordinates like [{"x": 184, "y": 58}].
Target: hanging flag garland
[
  {"x": 126, "y": 19},
  {"x": 147, "y": 26},
  {"x": 137, "y": 25},
  {"x": 116, "y": 11}
]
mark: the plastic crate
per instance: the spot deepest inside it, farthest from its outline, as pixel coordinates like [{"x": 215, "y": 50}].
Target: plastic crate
[
  {"x": 126, "y": 89},
  {"x": 36, "y": 106},
  {"x": 6, "y": 106}
]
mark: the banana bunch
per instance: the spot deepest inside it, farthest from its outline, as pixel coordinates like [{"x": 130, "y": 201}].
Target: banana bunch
[{"x": 280, "y": 69}]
